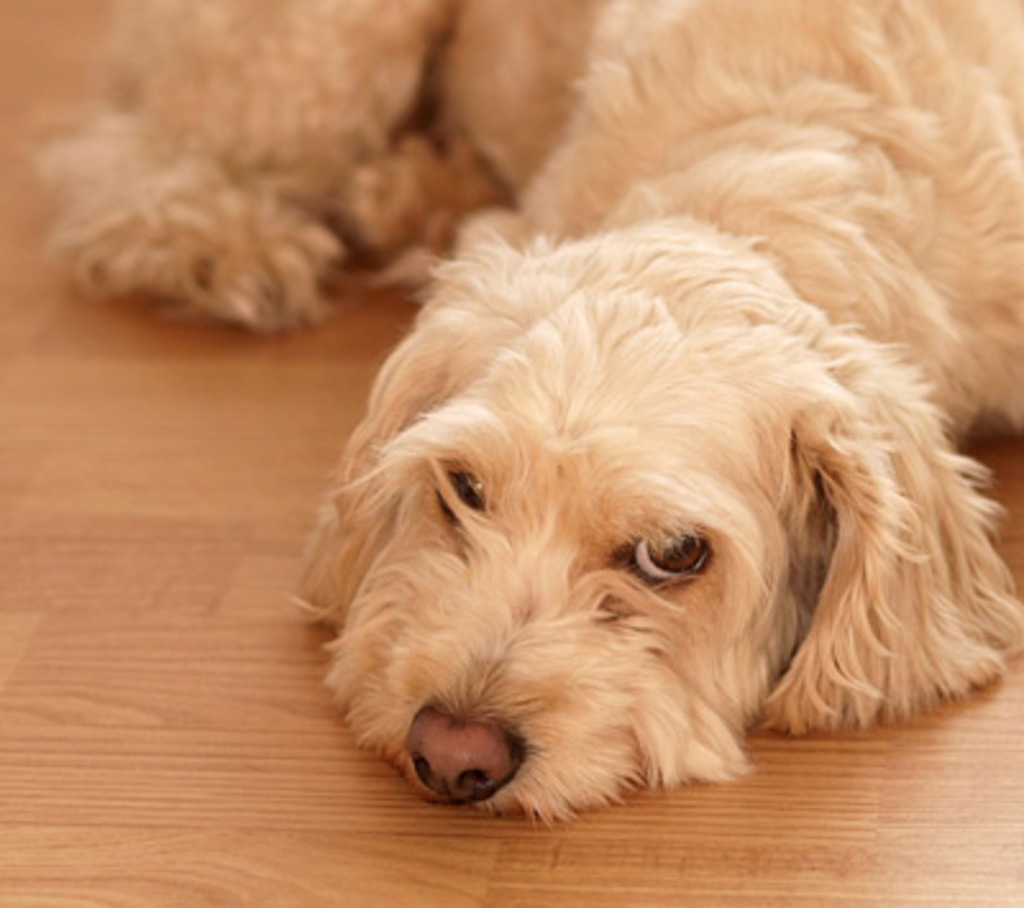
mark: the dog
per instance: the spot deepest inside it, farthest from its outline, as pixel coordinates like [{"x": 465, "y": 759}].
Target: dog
[{"x": 670, "y": 450}]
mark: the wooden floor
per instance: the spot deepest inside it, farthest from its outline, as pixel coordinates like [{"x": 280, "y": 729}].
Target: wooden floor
[{"x": 164, "y": 736}]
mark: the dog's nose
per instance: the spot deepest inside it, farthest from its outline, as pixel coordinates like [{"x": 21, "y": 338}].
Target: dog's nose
[{"x": 459, "y": 760}]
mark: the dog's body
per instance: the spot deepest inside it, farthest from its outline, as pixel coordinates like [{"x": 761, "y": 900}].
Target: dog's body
[{"x": 673, "y": 455}]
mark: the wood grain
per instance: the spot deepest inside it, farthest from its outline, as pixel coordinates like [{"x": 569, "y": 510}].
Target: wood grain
[{"x": 164, "y": 735}]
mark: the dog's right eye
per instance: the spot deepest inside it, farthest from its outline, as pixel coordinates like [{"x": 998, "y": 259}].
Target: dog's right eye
[
  {"x": 470, "y": 492},
  {"x": 469, "y": 489}
]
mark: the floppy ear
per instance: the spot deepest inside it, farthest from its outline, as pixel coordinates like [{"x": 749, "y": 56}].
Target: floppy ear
[
  {"x": 452, "y": 343},
  {"x": 916, "y": 604},
  {"x": 357, "y": 517}
]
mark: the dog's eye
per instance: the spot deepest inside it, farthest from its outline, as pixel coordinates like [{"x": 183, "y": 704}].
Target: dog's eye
[
  {"x": 683, "y": 556},
  {"x": 469, "y": 489}
]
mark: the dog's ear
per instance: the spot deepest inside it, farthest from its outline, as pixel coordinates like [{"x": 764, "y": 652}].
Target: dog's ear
[
  {"x": 356, "y": 519},
  {"x": 452, "y": 343},
  {"x": 916, "y": 604}
]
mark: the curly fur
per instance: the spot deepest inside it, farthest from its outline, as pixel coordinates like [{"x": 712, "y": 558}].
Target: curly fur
[{"x": 759, "y": 271}]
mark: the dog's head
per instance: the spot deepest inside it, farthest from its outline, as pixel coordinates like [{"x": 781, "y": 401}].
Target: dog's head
[{"x": 617, "y": 500}]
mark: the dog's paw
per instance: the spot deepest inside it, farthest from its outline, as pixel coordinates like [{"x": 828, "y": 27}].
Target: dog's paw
[
  {"x": 139, "y": 216},
  {"x": 264, "y": 269},
  {"x": 235, "y": 255}
]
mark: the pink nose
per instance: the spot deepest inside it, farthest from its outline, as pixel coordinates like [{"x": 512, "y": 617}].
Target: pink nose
[{"x": 461, "y": 761}]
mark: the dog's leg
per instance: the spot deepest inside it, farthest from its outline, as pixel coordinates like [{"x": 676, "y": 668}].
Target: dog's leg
[{"x": 227, "y": 146}]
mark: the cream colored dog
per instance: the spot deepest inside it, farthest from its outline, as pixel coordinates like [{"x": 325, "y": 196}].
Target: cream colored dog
[{"x": 669, "y": 451}]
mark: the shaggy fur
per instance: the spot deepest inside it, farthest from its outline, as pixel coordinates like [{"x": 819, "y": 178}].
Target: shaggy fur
[{"x": 760, "y": 268}]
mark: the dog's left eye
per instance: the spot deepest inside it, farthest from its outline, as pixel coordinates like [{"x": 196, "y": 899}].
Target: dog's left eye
[{"x": 683, "y": 556}]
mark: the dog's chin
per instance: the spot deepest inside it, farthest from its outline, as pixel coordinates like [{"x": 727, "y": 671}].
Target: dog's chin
[
  {"x": 540, "y": 791},
  {"x": 524, "y": 798}
]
